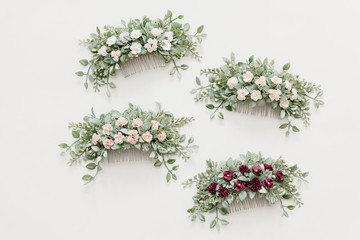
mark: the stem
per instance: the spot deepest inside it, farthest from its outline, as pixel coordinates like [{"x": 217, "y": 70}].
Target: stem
[
  {"x": 217, "y": 108},
  {"x": 69, "y": 147}
]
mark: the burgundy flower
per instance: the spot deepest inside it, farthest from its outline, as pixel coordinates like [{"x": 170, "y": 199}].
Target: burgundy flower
[
  {"x": 254, "y": 184},
  {"x": 223, "y": 192},
  {"x": 268, "y": 167},
  {"x": 228, "y": 175},
  {"x": 268, "y": 183},
  {"x": 212, "y": 188},
  {"x": 239, "y": 185},
  {"x": 243, "y": 169},
  {"x": 257, "y": 170},
  {"x": 279, "y": 176}
]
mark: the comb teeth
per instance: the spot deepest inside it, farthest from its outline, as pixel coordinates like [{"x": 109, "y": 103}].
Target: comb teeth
[
  {"x": 141, "y": 63},
  {"x": 129, "y": 155},
  {"x": 264, "y": 111},
  {"x": 248, "y": 203}
]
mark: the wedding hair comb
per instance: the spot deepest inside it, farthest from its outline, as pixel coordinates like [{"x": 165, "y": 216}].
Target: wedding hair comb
[
  {"x": 129, "y": 136},
  {"x": 240, "y": 184},
  {"x": 255, "y": 87},
  {"x": 138, "y": 45}
]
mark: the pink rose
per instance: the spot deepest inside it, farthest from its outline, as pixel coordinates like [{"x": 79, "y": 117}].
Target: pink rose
[
  {"x": 133, "y": 136},
  {"x": 161, "y": 136},
  {"x": 95, "y": 138},
  {"x": 119, "y": 138},
  {"x": 121, "y": 122},
  {"x": 147, "y": 136},
  {"x": 155, "y": 125},
  {"x": 108, "y": 143},
  {"x": 137, "y": 122},
  {"x": 107, "y": 128}
]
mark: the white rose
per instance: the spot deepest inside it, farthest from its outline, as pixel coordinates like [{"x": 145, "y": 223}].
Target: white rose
[
  {"x": 135, "y": 48},
  {"x": 169, "y": 36},
  {"x": 151, "y": 45},
  {"x": 241, "y": 94},
  {"x": 102, "y": 51},
  {"x": 121, "y": 121},
  {"x": 166, "y": 45},
  {"x": 232, "y": 82},
  {"x": 256, "y": 95},
  {"x": 122, "y": 37},
  {"x": 294, "y": 94},
  {"x": 135, "y": 34},
  {"x": 147, "y": 136},
  {"x": 248, "y": 76},
  {"x": 276, "y": 80},
  {"x": 156, "y": 31},
  {"x": 274, "y": 94},
  {"x": 115, "y": 55},
  {"x": 111, "y": 41},
  {"x": 118, "y": 138},
  {"x": 261, "y": 81},
  {"x": 284, "y": 104},
  {"x": 287, "y": 85}
]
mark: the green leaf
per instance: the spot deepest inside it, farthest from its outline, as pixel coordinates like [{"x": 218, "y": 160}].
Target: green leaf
[
  {"x": 251, "y": 59},
  {"x": 75, "y": 134},
  {"x": 282, "y": 114},
  {"x": 286, "y": 66},
  {"x": 232, "y": 56},
  {"x": 168, "y": 177},
  {"x": 86, "y": 85},
  {"x": 252, "y": 194},
  {"x": 291, "y": 207},
  {"x": 191, "y": 140},
  {"x": 295, "y": 129},
  {"x": 174, "y": 168},
  {"x": 220, "y": 115},
  {"x": 171, "y": 161},
  {"x": 112, "y": 85},
  {"x": 98, "y": 30},
  {"x": 200, "y": 29},
  {"x": 80, "y": 74},
  {"x": 87, "y": 177},
  {"x": 174, "y": 177},
  {"x": 95, "y": 148},
  {"x": 213, "y": 223},
  {"x": 180, "y": 16},
  {"x": 224, "y": 222},
  {"x": 63, "y": 145},
  {"x": 184, "y": 67},
  {"x": 186, "y": 27},
  {"x": 84, "y": 62},
  {"x": 283, "y": 126},
  {"x": 242, "y": 195},
  {"x": 198, "y": 82},
  {"x": 210, "y": 106},
  {"x": 293, "y": 168},
  {"x": 286, "y": 196},
  {"x": 91, "y": 166},
  {"x": 305, "y": 174},
  {"x": 157, "y": 163},
  {"x": 202, "y": 217},
  {"x": 223, "y": 211}
]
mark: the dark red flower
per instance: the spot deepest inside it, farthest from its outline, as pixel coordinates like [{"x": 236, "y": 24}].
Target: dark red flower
[
  {"x": 279, "y": 176},
  {"x": 243, "y": 169},
  {"x": 254, "y": 184},
  {"x": 212, "y": 188},
  {"x": 239, "y": 185},
  {"x": 268, "y": 167},
  {"x": 228, "y": 175},
  {"x": 223, "y": 192},
  {"x": 257, "y": 170},
  {"x": 268, "y": 183}
]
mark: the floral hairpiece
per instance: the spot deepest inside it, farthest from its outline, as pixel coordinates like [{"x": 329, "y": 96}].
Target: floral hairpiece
[
  {"x": 258, "y": 84},
  {"x": 115, "y": 46},
  {"x": 156, "y": 132},
  {"x": 234, "y": 182}
]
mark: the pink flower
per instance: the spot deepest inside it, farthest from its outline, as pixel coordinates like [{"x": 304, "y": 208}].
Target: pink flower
[
  {"x": 119, "y": 138},
  {"x": 155, "y": 125},
  {"x": 108, "y": 143},
  {"x": 147, "y": 136},
  {"x": 107, "y": 128},
  {"x": 137, "y": 122},
  {"x": 95, "y": 138},
  {"x": 161, "y": 136},
  {"x": 133, "y": 136},
  {"x": 121, "y": 122}
]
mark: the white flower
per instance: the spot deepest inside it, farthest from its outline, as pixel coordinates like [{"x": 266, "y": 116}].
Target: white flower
[
  {"x": 115, "y": 55},
  {"x": 121, "y": 121},
  {"x": 169, "y": 36},
  {"x": 294, "y": 94},
  {"x": 111, "y": 41},
  {"x": 156, "y": 31},
  {"x": 248, "y": 76},
  {"x": 261, "y": 81},
  {"x": 155, "y": 125},
  {"x": 274, "y": 94},
  {"x": 276, "y": 80},
  {"x": 241, "y": 94},
  {"x": 147, "y": 136},
  {"x": 122, "y": 37},
  {"x": 135, "y": 48},
  {"x": 232, "y": 82},
  {"x": 135, "y": 34},
  {"x": 151, "y": 45},
  {"x": 102, "y": 51},
  {"x": 118, "y": 138},
  {"x": 287, "y": 85},
  {"x": 107, "y": 128},
  {"x": 284, "y": 104},
  {"x": 137, "y": 122},
  {"x": 256, "y": 95},
  {"x": 166, "y": 45}
]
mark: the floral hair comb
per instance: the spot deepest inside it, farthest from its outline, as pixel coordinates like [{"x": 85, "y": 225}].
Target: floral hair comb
[
  {"x": 249, "y": 182},
  {"x": 260, "y": 90},
  {"x": 136, "y": 46},
  {"x": 114, "y": 134}
]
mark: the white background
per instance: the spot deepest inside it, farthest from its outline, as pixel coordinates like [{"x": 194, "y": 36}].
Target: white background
[{"x": 43, "y": 198}]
